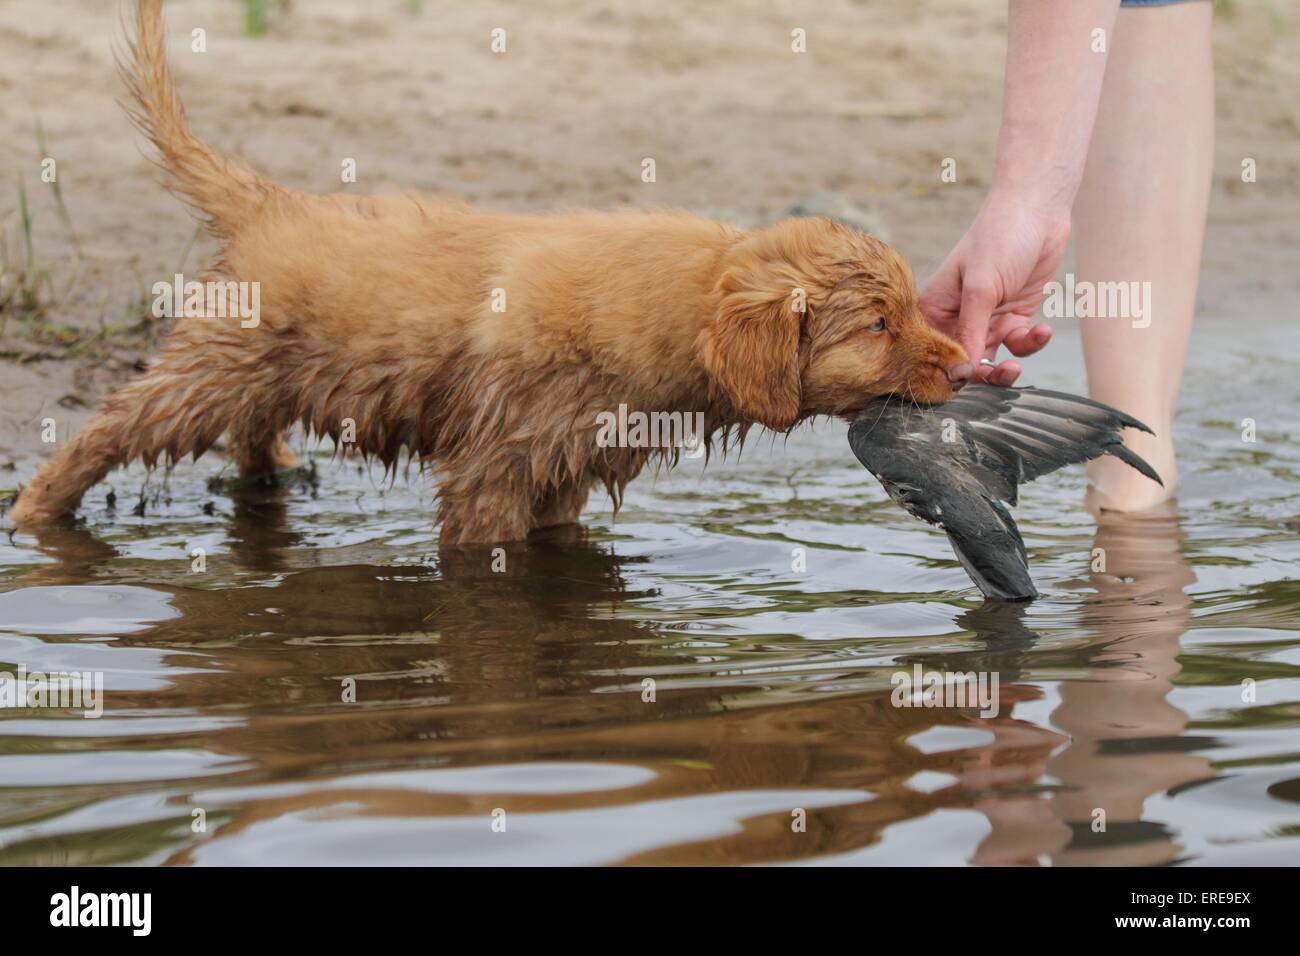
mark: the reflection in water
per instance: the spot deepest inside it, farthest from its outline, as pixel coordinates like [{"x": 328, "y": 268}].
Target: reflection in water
[
  {"x": 538, "y": 663},
  {"x": 1127, "y": 739},
  {"x": 1123, "y": 736},
  {"x": 454, "y": 656},
  {"x": 678, "y": 689}
]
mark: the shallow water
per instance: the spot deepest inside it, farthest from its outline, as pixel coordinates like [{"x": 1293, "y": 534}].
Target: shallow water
[{"x": 501, "y": 716}]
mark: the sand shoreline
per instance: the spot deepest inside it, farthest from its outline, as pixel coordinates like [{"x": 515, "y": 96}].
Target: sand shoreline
[{"x": 739, "y": 126}]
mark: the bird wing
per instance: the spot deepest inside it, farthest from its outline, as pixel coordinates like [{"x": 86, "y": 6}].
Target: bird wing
[
  {"x": 980, "y": 529},
  {"x": 1024, "y": 433},
  {"x": 988, "y": 545},
  {"x": 1002, "y": 436},
  {"x": 955, "y": 464}
]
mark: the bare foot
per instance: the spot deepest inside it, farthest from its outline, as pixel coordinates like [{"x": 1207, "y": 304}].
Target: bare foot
[{"x": 1114, "y": 486}]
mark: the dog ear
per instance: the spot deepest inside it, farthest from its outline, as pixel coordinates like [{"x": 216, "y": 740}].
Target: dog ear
[{"x": 751, "y": 348}]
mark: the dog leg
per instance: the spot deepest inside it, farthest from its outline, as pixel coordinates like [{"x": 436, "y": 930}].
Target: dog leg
[
  {"x": 560, "y": 505},
  {"x": 491, "y": 517},
  {"x": 179, "y": 407},
  {"x": 255, "y": 455},
  {"x": 484, "y": 502}
]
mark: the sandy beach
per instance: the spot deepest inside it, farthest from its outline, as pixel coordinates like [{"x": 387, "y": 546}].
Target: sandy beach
[{"x": 739, "y": 126}]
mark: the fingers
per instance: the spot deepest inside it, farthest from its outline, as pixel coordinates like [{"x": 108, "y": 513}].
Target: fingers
[
  {"x": 1026, "y": 340},
  {"x": 978, "y": 300},
  {"x": 1005, "y": 374},
  {"x": 1020, "y": 339}
]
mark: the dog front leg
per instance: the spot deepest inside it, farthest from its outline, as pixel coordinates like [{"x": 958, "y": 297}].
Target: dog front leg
[
  {"x": 484, "y": 505},
  {"x": 559, "y": 505},
  {"x": 260, "y": 455}
]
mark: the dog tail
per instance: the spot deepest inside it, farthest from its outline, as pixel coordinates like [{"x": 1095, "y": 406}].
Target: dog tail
[{"x": 224, "y": 190}]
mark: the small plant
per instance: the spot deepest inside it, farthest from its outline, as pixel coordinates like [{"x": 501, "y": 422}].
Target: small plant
[
  {"x": 59, "y": 205},
  {"x": 257, "y": 17},
  {"x": 25, "y": 287}
]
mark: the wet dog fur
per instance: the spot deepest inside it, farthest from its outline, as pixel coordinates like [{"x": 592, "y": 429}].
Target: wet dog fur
[{"x": 485, "y": 344}]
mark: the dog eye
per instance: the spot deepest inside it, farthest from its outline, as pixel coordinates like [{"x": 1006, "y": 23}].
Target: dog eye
[{"x": 877, "y": 326}]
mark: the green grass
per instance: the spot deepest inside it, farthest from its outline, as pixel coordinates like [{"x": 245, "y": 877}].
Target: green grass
[
  {"x": 257, "y": 17},
  {"x": 27, "y": 290},
  {"x": 60, "y": 206},
  {"x": 25, "y": 287}
]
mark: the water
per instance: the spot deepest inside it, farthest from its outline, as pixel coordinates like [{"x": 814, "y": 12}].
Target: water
[{"x": 501, "y": 717}]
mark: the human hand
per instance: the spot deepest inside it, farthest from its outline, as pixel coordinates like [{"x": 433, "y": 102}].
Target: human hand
[{"x": 987, "y": 290}]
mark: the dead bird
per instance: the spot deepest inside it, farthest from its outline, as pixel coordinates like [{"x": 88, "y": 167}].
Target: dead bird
[{"x": 959, "y": 464}]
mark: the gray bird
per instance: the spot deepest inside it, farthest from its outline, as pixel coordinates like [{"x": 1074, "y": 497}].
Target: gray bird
[{"x": 959, "y": 464}]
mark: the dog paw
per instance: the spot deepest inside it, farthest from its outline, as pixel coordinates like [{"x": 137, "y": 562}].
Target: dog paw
[{"x": 27, "y": 511}]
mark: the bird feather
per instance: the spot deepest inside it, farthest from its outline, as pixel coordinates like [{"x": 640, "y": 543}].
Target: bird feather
[{"x": 958, "y": 465}]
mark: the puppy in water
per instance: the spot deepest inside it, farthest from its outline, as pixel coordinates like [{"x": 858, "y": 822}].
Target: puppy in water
[{"x": 488, "y": 344}]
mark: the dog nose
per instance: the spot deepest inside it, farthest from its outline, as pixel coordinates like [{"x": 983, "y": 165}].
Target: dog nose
[{"x": 959, "y": 375}]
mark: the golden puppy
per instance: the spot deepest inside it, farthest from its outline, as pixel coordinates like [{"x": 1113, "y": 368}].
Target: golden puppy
[{"x": 487, "y": 344}]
